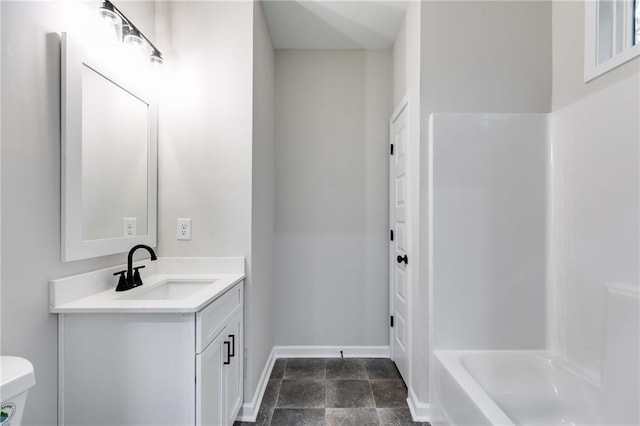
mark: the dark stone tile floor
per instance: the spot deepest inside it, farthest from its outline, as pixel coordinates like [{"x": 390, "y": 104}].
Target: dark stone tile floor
[{"x": 334, "y": 392}]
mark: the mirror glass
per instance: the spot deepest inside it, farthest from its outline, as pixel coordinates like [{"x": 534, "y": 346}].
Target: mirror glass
[
  {"x": 109, "y": 152},
  {"x": 114, "y": 159}
]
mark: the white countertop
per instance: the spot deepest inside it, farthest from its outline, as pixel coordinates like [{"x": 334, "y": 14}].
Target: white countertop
[{"x": 94, "y": 292}]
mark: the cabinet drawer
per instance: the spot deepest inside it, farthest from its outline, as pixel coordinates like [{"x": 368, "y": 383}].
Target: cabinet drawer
[{"x": 211, "y": 320}]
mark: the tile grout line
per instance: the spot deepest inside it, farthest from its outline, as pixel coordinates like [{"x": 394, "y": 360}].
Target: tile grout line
[
  {"x": 275, "y": 404},
  {"x": 325, "y": 381},
  {"x": 324, "y": 364}
]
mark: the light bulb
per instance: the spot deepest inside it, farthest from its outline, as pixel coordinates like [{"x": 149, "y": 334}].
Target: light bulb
[
  {"x": 132, "y": 37},
  {"x": 156, "y": 58},
  {"x": 108, "y": 13},
  {"x": 111, "y": 19}
]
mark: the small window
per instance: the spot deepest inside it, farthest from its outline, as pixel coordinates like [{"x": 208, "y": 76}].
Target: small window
[{"x": 612, "y": 34}]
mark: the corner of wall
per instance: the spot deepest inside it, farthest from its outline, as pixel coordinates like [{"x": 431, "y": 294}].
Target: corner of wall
[{"x": 258, "y": 327}]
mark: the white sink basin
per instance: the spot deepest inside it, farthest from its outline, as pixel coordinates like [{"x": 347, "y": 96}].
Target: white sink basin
[
  {"x": 169, "y": 290},
  {"x": 171, "y": 285}
]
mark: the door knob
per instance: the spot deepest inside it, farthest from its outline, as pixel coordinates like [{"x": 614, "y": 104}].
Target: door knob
[{"x": 401, "y": 259}]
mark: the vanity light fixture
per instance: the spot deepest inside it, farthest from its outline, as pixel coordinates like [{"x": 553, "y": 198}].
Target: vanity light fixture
[{"x": 130, "y": 33}]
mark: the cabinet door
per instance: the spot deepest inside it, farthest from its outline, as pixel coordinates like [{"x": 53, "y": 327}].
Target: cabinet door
[
  {"x": 210, "y": 377},
  {"x": 233, "y": 371}
]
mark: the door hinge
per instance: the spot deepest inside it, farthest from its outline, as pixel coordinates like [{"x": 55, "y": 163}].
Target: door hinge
[
  {"x": 391, "y": 149},
  {"x": 391, "y": 234},
  {"x": 391, "y": 320}
]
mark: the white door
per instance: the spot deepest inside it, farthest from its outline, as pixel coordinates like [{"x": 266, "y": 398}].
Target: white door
[{"x": 400, "y": 239}]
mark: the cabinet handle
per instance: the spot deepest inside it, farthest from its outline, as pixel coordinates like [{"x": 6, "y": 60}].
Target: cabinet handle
[
  {"x": 233, "y": 345},
  {"x": 228, "y": 345}
]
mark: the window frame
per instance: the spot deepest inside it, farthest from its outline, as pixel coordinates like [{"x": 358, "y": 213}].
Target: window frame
[{"x": 592, "y": 69}]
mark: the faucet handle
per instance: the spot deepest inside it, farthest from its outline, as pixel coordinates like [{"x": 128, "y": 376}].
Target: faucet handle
[
  {"x": 137, "y": 280},
  {"x": 122, "y": 281}
]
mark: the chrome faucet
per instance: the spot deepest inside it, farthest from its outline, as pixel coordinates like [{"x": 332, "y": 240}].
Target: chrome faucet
[{"x": 132, "y": 278}]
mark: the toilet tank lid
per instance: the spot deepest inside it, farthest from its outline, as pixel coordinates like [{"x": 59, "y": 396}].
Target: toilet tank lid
[{"x": 16, "y": 376}]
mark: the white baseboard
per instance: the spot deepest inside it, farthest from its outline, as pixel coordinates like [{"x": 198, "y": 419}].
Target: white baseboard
[
  {"x": 331, "y": 351},
  {"x": 249, "y": 410},
  {"x": 423, "y": 412}
]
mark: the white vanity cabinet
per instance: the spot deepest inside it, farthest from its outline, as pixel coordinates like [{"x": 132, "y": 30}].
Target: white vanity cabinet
[
  {"x": 219, "y": 377},
  {"x": 219, "y": 362},
  {"x": 150, "y": 368}
]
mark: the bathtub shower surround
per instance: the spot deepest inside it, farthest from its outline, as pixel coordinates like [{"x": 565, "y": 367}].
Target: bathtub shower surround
[
  {"x": 595, "y": 215},
  {"x": 541, "y": 388},
  {"x": 595, "y": 236},
  {"x": 488, "y": 173},
  {"x": 543, "y": 211},
  {"x": 514, "y": 388}
]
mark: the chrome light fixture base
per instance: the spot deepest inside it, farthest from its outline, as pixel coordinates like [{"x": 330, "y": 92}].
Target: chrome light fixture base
[{"x": 131, "y": 35}]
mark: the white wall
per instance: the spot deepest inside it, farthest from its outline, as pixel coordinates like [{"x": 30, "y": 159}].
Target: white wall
[
  {"x": 486, "y": 56},
  {"x": 31, "y": 188},
  {"x": 489, "y": 231},
  {"x": 206, "y": 129},
  {"x": 142, "y": 13},
  {"x": 596, "y": 174},
  {"x": 207, "y": 161},
  {"x": 332, "y": 110}
]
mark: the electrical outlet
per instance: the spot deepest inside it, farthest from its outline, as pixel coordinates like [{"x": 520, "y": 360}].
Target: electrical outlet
[
  {"x": 129, "y": 226},
  {"x": 184, "y": 228}
]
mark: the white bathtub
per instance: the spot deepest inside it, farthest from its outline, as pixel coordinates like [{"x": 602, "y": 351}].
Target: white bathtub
[{"x": 522, "y": 388}]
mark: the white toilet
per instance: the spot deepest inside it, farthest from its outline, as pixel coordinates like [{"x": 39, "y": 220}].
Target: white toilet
[{"x": 16, "y": 377}]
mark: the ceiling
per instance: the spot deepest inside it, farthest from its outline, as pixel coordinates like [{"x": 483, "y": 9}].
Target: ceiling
[{"x": 334, "y": 24}]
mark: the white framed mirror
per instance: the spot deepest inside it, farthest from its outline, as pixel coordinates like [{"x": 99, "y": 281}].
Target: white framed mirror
[{"x": 109, "y": 155}]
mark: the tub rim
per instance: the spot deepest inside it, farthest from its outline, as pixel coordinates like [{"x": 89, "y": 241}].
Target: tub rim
[{"x": 451, "y": 361}]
